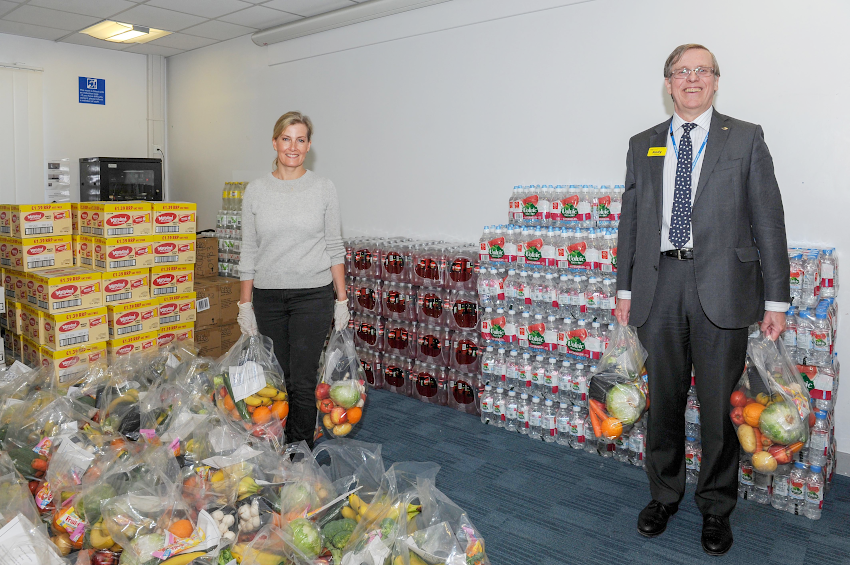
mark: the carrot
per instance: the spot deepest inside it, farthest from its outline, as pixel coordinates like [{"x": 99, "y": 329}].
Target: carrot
[
  {"x": 39, "y": 464},
  {"x": 795, "y": 447},
  {"x": 599, "y": 408},
  {"x": 597, "y": 425},
  {"x": 758, "y": 439}
]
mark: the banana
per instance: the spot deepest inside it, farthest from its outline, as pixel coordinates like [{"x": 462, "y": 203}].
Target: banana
[
  {"x": 218, "y": 476},
  {"x": 281, "y": 395},
  {"x": 184, "y": 558},
  {"x": 267, "y": 401},
  {"x": 268, "y": 392},
  {"x": 254, "y": 400},
  {"x": 356, "y": 503},
  {"x": 413, "y": 509},
  {"x": 348, "y": 512}
]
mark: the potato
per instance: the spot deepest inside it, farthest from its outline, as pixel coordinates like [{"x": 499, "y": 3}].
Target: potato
[
  {"x": 764, "y": 462},
  {"x": 747, "y": 437}
]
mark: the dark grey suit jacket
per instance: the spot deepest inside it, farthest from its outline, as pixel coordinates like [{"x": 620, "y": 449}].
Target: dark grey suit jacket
[{"x": 740, "y": 250}]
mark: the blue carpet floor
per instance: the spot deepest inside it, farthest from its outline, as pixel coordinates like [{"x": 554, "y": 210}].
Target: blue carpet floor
[{"x": 540, "y": 503}]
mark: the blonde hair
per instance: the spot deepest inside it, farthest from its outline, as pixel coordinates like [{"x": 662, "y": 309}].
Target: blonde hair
[
  {"x": 288, "y": 119},
  {"x": 680, "y": 50}
]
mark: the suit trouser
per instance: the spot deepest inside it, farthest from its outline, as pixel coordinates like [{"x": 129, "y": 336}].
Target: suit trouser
[
  {"x": 676, "y": 335},
  {"x": 297, "y": 321}
]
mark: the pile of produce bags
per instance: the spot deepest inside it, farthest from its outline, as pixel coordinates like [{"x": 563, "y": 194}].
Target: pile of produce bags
[{"x": 169, "y": 458}]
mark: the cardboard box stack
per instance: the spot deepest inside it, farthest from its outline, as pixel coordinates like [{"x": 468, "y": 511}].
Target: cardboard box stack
[
  {"x": 216, "y": 325},
  {"x": 91, "y": 279}
]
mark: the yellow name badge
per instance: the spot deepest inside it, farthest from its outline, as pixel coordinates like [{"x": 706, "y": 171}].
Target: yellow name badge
[{"x": 657, "y": 152}]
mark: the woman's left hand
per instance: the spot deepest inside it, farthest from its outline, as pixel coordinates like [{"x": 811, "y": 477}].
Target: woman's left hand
[{"x": 341, "y": 315}]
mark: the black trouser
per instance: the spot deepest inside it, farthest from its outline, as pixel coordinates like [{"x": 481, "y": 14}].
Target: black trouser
[
  {"x": 298, "y": 321},
  {"x": 676, "y": 335}
]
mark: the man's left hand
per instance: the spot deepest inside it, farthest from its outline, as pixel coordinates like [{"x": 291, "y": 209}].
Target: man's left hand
[{"x": 773, "y": 324}]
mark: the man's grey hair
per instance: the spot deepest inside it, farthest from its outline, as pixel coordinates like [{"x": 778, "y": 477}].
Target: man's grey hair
[{"x": 679, "y": 51}]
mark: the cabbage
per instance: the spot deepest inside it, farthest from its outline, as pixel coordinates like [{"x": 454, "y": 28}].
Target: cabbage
[
  {"x": 306, "y": 536},
  {"x": 626, "y": 402},
  {"x": 297, "y": 497},
  {"x": 780, "y": 422},
  {"x": 345, "y": 393}
]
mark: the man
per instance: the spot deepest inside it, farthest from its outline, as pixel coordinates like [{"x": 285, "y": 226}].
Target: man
[{"x": 702, "y": 255}]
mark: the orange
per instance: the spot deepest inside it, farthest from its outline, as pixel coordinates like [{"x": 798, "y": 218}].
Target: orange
[
  {"x": 354, "y": 415},
  {"x": 612, "y": 428},
  {"x": 235, "y": 414},
  {"x": 182, "y": 528},
  {"x": 280, "y": 408},
  {"x": 752, "y": 413},
  {"x": 261, "y": 415},
  {"x": 228, "y": 403}
]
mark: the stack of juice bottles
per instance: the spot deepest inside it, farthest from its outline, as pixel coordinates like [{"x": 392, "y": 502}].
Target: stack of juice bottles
[
  {"x": 798, "y": 485},
  {"x": 416, "y": 317},
  {"x": 228, "y": 229}
]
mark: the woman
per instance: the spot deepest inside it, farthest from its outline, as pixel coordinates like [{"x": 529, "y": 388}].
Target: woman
[{"x": 291, "y": 265}]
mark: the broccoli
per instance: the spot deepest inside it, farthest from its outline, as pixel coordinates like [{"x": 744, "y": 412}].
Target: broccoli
[
  {"x": 331, "y": 529},
  {"x": 387, "y": 528},
  {"x": 347, "y": 524},
  {"x": 341, "y": 539}
]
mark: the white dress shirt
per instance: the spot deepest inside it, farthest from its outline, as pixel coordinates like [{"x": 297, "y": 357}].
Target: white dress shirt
[{"x": 698, "y": 136}]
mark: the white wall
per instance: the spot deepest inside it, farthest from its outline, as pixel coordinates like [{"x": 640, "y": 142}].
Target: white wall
[
  {"x": 74, "y": 130},
  {"x": 425, "y": 135}
]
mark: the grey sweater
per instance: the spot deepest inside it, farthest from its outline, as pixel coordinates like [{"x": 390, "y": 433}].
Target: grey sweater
[{"x": 290, "y": 232}]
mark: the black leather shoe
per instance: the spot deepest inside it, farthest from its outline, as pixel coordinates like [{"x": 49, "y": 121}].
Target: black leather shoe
[
  {"x": 716, "y": 535},
  {"x": 652, "y": 520}
]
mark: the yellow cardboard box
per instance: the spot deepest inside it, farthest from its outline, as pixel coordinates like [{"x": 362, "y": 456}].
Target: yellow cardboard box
[
  {"x": 119, "y": 253},
  {"x": 40, "y": 220},
  {"x": 131, "y": 343},
  {"x": 174, "y": 217},
  {"x": 68, "y": 366},
  {"x": 65, "y": 290},
  {"x": 117, "y": 219},
  {"x": 177, "y": 309},
  {"x": 175, "y": 249},
  {"x": 133, "y": 317},
  {"x": 72, "y": 329},
  {"x": 40, "y": 253},
  {"x": 172, "y": 279},
  {"x": 129, "y": 285},
  {"x": 175, "y": 332}
]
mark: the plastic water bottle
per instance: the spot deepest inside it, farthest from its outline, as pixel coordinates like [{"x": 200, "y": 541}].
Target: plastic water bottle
[
  {"x": 577, "y": 428},
  {"x": 796, "y": 279},
  {"x": 484, "y": 246},
  {"x": 789, "y": 336},
  {"x": 779, "y": 492},
  {"x": 580, "y": 385},
  {"x": 551, "y": 380},
  {"x": 692, "y": 450},
  {"x": 637, "y": 445},
  {"x": 563, "y": 421},
  {"x": 538, "y": 373},
  {"x": 513, "y": 370},
  {"x": 500, "y": 366},
  {"x": 526, "y": 367},
  {"x": 511, "y": 411},
  {"x": 761, "y": 488},
  {"x": 565, "y": 388},
  {"x": 819, "y": 440},
  {"x": 821, "y": 339},
  {"x": 591, "y": 442},
  {"x": 487, "y": 405},
  {"x": 498, "y": 419},
  {"x": 797, "y": 489},
  {"x": 621, "y": 448},
  {"x": 488, "y": 361},
  {"x": 814, "y": 493},
  {"x": 810, "y": 281},
  {"x": 550, "y": 421},
  {"x": 692, "y": 411},
  {"x": 535, "y": 419},
  {"x": 805, "y": 325},
  {"x": 745, "y": 477},
  {"x": 827, "y": 273},
  {"x": 522, "y": 413}
]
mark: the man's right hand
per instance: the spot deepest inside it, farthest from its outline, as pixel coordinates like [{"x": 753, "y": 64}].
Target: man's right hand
[
  {"x": 247, "y": 320},
  {"x": 622, "y": 310}
]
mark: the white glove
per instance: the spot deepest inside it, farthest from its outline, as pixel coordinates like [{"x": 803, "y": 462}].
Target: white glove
[
  {"x": 247, "y": 320},
  {"x": 341, "y": 315}
]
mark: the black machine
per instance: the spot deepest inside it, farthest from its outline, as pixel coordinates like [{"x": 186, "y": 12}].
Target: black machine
[{"x": 120, "y": 178}]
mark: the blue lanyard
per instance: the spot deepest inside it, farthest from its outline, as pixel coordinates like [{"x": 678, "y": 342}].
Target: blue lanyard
[{"x": 701, "y": 147}]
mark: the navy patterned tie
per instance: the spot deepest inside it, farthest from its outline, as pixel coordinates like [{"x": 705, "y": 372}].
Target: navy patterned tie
[{"x": 680, "y": 222}]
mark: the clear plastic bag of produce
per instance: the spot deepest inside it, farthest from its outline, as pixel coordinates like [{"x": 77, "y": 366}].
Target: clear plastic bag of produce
[
  {"x": 16, "y": 494},
  {"x": 351, "y": 464},
  {"x": 157, "y": 409},
  {"x": 440, "y": 533},
  {"x": 250, "y": 388},
  {"x": 297, "y": 544},
  {"x": 70, "y": 461},
  {"x": 29, "y": 543},
  {"x": 306, "y": 491},
  {"x": 618, "y": 390},
  {"x": 91, "y": 384},
  {"x": 341, "y": 392},
  {"x": 770, "y": 406},
  {"x": 196, "y": 375},
  {"x": 119, "y": 407}
]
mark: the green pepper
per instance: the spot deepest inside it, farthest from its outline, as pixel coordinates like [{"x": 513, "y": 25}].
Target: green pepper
[{"x": 241, "y": 407}]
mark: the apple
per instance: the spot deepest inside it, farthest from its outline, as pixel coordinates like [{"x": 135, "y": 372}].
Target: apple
[
  {"x": 323, "y": 391},
  {"x": 737, "y": 415},
  {"x": 339, "y": 415},
  {"x": 327, "y": 405}
]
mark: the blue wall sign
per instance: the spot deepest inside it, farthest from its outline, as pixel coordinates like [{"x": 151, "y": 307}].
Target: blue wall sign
[{"x": 92, "y": 91}]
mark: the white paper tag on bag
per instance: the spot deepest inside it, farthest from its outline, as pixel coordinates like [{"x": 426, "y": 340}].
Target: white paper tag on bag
[{"x": 246, "y": 380}]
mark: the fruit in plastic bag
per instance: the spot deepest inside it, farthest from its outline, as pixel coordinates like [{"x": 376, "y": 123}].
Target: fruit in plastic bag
[
  {"x": 341, "y": 392},
  {"x": 626, "y": 402},
  {"x": 306, "y": 536},
  {"x": 781, "y": 423}
]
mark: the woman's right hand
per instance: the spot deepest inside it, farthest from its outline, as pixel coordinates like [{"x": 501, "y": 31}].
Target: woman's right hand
[{"x": 247, "y": 320}]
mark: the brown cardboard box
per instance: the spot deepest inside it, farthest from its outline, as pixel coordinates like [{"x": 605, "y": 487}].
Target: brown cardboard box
[
  {"x": 229, "y": 290},
  {"x": 230, "y": 333},
  {"x": 208, "y": 289},
  {"x": 209, "y": 342},
  {"x": 206, "y": 260}
]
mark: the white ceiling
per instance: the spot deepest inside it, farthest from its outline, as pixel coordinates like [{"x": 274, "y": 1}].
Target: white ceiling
[{"x": 195, "y": 23}]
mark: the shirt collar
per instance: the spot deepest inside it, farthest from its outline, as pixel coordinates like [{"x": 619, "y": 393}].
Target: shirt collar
[{"x": 703, "y": 120}]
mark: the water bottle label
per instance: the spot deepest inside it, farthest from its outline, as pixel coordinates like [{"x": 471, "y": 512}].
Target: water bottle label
[
  {"x": 486, "y": 405},
  {"x": 780, "y": 486},
  {"x": 511, "y": 412},
  {"x": 564, "y": 425},
  {"x": 820, "y": 340},
  {"x": 551, "y": 424},
  {"x": 796, "y": 279},
  {"x": 746, "y": 477},
  {"x": 827, "y": 271},
  {"x": 535, "y": 377},
  {"x": 520, "y": 415},
  {"x": 689, "y": 460},
  {"x": 692, "y": 416},
  {"x": 796, "y": 488},
  {"x": 497, "y": 409},
  {"x": 804, "y": 340},
  {"x": 536, "y": 419},
  {"x": 814, "y": 493},
  {"x": 818, "y": 444},
  {"x": 789, "y": 336}
]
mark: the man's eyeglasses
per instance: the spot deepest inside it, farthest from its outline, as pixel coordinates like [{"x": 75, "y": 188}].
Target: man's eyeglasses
[{"x": 702, "y": 72}]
